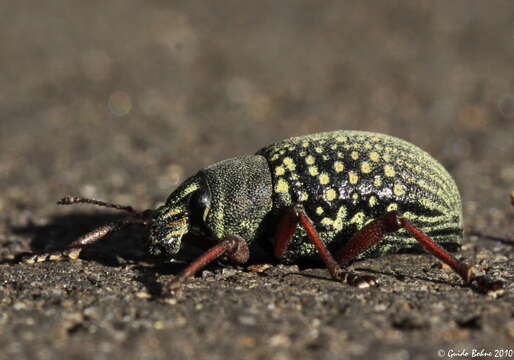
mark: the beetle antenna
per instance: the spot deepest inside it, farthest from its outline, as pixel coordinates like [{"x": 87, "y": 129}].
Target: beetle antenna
[
  {"x": 144, "y": 218},
  {"x": 71, "y": 200}
]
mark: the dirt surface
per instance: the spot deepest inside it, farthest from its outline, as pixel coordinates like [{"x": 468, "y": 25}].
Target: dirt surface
[{"x": 122, "y": 100}]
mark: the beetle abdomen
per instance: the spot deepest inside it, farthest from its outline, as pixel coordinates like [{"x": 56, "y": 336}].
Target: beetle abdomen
[{"x": 345, "y": 179}]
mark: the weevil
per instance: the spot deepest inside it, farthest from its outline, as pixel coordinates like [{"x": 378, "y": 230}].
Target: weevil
[{"x": 338, "y": 196}]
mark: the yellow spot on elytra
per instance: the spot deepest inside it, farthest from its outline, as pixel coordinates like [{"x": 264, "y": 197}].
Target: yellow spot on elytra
[
  {"x": 355, "y": 196},
  {"x": 340, "y": 217},
  {"x": 372, "y": 200},
  {"x": 303, "y": 153},
  {"x": 373, "y": 156},
  {"x": 387, "y": 157},
  {"x": 303, "y": 196},
  {"x": 367, "y": 146},
  {"x": 324, "y": 179},
  {"x": 319, "y": 210},
  {"x": 392, "y": 207},
  {"x": 377, "y": 182},
  {"x": 338, "y": 166},
  {"x": 358, "y": 219},
  {"x": 389, "y": 170},
  {"x": 398, "y": 189},
  {"x": 309, "y": 160},
  {"x": 365, "y": 167},
  {"x": 354, "y": 155},
  {"x": 313, "y": 170},
  {"x": 318, "y": 149},
  {"x": 289, "y": 163},
  {"x": 353, "y": 177},
  {"x": 341, "y": 138},
  {"x": 279, "y": 170},
  {"x": 340, "y": 155},
  {"x": 281, "y": 186},
  {"x": 330, "y": 194},
  {"x": 325, "y": 157},
  {"x": 305, "y": 144},
  {"x": 327, "y": 221},
  {"x": 274, "y": 157},
  {"x": 333, "y": 146}
]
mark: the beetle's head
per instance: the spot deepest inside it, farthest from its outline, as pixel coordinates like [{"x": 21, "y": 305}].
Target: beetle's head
[
  {"x": 231, "y": 197},
  {"x": 186, "y": 208}
]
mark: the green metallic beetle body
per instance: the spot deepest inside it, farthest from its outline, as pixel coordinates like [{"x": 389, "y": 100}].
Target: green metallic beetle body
[{"x": 343, "y": 179}]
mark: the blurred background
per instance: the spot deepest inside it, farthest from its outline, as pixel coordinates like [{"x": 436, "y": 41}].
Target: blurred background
[
  {"x": 131, "y": 96},
  {"x": 121, "y": 100}
]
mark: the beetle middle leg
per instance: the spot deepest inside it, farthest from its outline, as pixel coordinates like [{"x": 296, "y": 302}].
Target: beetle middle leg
[{"x": 286, "y": 227}]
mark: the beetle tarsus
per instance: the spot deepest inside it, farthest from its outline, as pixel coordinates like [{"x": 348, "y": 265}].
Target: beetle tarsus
[
  {"x": 72, "y": 254},
  {"x": 358, "y": 280}
]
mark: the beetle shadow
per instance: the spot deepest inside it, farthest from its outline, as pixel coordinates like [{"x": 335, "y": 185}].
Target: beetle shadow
[
  {"x": 124, "y": 245},
  {"x": 492, "y": 238},
  {"x": 399, "y": 277}
]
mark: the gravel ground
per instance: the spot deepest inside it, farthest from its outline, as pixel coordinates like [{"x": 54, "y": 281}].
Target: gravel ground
[{"x": 122, "y": 100}]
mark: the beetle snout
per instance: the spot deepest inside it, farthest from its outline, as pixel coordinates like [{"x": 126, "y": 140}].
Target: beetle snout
[{"x": 166, "y": 235}]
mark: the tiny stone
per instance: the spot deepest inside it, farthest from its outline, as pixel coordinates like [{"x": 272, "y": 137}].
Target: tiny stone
[
  {"x": 247, "y": 320},
  {"x": 258, "y": 268},
  {"x": 143, "y": 295},
  {"x": 19, "y": 306},
  {"x": 171, "y": 301}
]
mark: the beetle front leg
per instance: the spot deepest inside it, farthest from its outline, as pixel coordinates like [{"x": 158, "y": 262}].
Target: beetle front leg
[
  {"x": 73, "y": 250},
  {"x": 374, "y": 232},
  {"x": 296, "y": 215},
  {"x": 234, "y": 247}
]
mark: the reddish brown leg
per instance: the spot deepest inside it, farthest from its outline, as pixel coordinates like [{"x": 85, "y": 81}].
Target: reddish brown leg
[
  {"x": 73, "y": 250},
  {"x": 286, "y": 227},
  {"x": 234, "y": 247},
  {"x": 374, "y": 232},
  {"x": 95, "y": 235}
]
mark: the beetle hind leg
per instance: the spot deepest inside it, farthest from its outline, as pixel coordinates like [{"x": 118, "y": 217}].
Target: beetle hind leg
[
  {"x": 286, "y": 227},
  {"x": 374, "y": 232}
]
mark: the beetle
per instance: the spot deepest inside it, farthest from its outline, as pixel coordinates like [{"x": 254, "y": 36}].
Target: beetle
[{"x": 338, "y": 196}]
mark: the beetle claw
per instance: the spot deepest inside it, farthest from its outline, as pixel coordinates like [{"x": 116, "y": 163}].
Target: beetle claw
[{"x": 357, "y": 280}]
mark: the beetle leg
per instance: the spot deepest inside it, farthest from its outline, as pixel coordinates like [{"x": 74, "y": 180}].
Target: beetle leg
[
  {"x": 374, "y": 232},
  {"x": 286, "y": 228},
  {"x": 234, "y": 247},
  {"x": 73, "y": 250}
]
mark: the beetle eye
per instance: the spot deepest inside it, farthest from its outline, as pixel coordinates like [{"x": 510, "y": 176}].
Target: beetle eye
[{"x": 199, "y": 205}]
